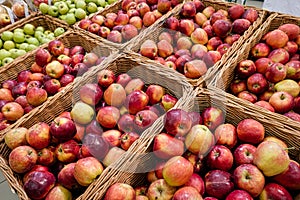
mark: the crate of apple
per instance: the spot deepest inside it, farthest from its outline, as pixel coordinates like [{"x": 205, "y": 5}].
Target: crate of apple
[
  {"x": 72, "y": 11},
  {"x": 122, "y": 22},
  {"x": 198, "y": 36},
  {"x": 267, "y": 74},
  {"x": 212, "y": 158},
  {"x": 51, "y": 71},
  {"x": 109, "y": 118}
]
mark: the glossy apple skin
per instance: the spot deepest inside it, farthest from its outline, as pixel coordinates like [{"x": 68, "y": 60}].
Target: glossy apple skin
[
  {"x": 46, "y": 156},
  {"x": 67, "y": 152},
  {"x": 165, "y": 146},
  {"x": 39, "y": 136},
  {"x": 290, "y": 177},
  {"x": 218, "y": 183},
  {"x": 226, "y": 135},
  {"x": 63, "y": 129},
  {"x": 136, "y": 101},
  {"x": 177, "y": 122},
  {"x": 90, "y": 94},
  {"x": 66, "y": 177},
  {"x": 186, "y": 192},
  {"x": 144, "y": 119},
  {"x": 120, "y": 191},
  {"x": 243, "y": 154},
  {"x": 220, "y": 157},
  {"x": 96, "y": 145},
  {"x": 108, "y": 116},
  {"x": 275, "y": 191},
  {"x": 239, "y": 195},
  {"x": 282, "y": 102},
  {"x": 197, "y": 182},
  {"x": 255, "y": 136},
  {"x": 159, "y": 189},
  {"x": 58, "y": 192},
  {"x": 212, "y": 117}
]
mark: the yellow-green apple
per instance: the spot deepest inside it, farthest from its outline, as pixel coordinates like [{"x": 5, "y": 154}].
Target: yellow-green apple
[
  {"x": 245, "y": 68},
  {"x": 56, "y": 47},
  {"x": 277, "y": 39},
  {"x": 108, "y": 116},
  {"x": 144, "y": 119},
  {"x": 265, "y": 105},
  {"x": 282, "y": 102},
  {"x": 9, "y": 84},
  {"x": 195, "y": 69},
  {"x": 275, "y": 191},
  {"x": 279, "y": 55},
  {"x": 38, "y": 136},
  {"x": 199, "y": 140},
  {"x": 52, "y": 86},
  {"x": 55, "y": 69},
  {"x": 112, "y": 137},
  {"x": 239, "y": 194},
  {"x": 42, "y": 57},
  {"x": 94, "y": 127},
  {"x": 160, "y": 189},
  {"x": 38, "y": 184},
  {"x": 212, "y": 117},
  {"x": 289, "y": 86},
  {"x": 172, "y": 23},
  {"x": 105, "y": 77},
  {"x": 293, "y": 69},
  {"x": 82, "y": 113},
  {"x": 292, "y": 30},
  {"x": 246, "y": 95},
  {"x": 249, "y": 178},
  {"x": 257, "y": 83},
  {"x": 197, "y": 182},
  {"x": 278, "y": 141},
  {"x": 239, "y": 26},
  {"x": 226, "y": 134},
  {"x": 24, "y": 76},
  {"x": 67, "y": 152},
  {"x": 123, "y": 79},
  {"x": 16, "y": 137},
  {"x": 149, "y": 49},
  {"x": 243, "y": 154},
  {"x": 222, "y": 27},
  {"x": 22, "y": 159},
  {"x": 220, "y": 157},
  {"x": 120, "y": 191},
  {"x": 36, "y": 96},
  {"x": 136, "y": 101},
  {"x": 63, "y": 128},
  {"x": 271, "y": 158},
  {"x": 187, "y": 192},
  {"x": 262, "y": 64},
  {"x": 186, "y": 26},
  {"x": 6, "y": 94},
  {"x": 66, "y": 79},
  {"x": 129, "y": 31},
  {"x": 90, "y": 94},
  {"x": 218, "y": 183},
  {"x": 177, "y": 122},
  {"x": 115, "y": 95},
  {"x": 127, "y": 139},
  {"x": 250, "y": 131},
  {"x": 46, "y": 156},
  {"x": 168, "y": 101},
  {"x": 290, "y": 177},
  {"x": 236, "y": 11},
  {"x": 96, "y": 145},
  {"x": 166, "y": 146},
  {"x": 59, "y": 192},
  {"x": 114, "y": 154},
  {"x": 86, "y": 170},
  {"x": 260, "y": 50},
  {"x": 134, "y": 84},
  {"x": 12, "y": 111},
  {"x": 174, "y": 165},
  {"x": 66, "y": 177},
  {"x": 238, "y": 86}
]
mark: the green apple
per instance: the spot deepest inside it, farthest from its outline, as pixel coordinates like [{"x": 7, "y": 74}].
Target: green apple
[
  {"x": 72, "y": 6},
  {"x": 18, "y": 30},
  {"x": 43, "y": 7},
  {"x": 9, "y": 45},
  {"x": 21, "y": 52},
  {"x": 45, "y": 40},
  {"x": 30, "y": 47},
  {"x": 80, "y": 13},
  {"x": 50, "y": 36},
  {"x": 37, "y": 33},
  {"x": 47, "y": 32},
  {"x": 59, "y": 31},
  {"x": 91, "y": 7},
  {"x": 13, "y": 53},
  {"x": 56, "y": 1},
  {"x": 7, "y": 35},
  {"x": 70, "y": 18},
  {"x": 29, "y": 29},
  {"x": 100, "y": 3},
  {"x": 33, "y": 40},
  {"x": 23, "y": 46},
  {"x": 4, "y": 54},
  {"x": 41, "y": 37},
  {"x": 40, "y": 28},
  {"x": 53, "y": 11},
  {"x": 99, "y": 9},
  {"x": 7, "y": 60},
  {"x": 63, "y": 8},
  {"x": 72, "y": 10},
  {"x": 81, "y": 4},
  {"x": 17, "y": 45},
  {"x": 0, "y": 63},
  {"x": 111, "y": 1},
  {"x": 1, "y": 43},
  {"x": 19, "y": 37},
  {"x": 68, "y": 2},
  {"x": 62, "y": 17}
]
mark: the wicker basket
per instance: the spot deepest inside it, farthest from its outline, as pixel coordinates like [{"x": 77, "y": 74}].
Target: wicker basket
[
  {"x": 114, "y": 8},
  {"x": 69, "y": 39},
  {"x": 63, "y": 102},
  {"x": 223, "y": 79},
  {"x": 153, "y": 33},
  {"x": 142, "y": 161}
]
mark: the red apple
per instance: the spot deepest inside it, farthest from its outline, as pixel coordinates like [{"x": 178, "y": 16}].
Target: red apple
[
  {"x": 129, "y": 31},
  {"x": 250, "y": 131},
  {"x": 257, "y": 83},
  {"x": 262, "y": 64},
  {"x": 277, "y": 39},
  {"x": 42, "y": 57},
  {"x": 56, "y": 47},
  {"x": 186, "y": 192},
  {"x": 120, "y": 191},
  {"x": 67, "y": 152},
  {"x": 236, "y": 11},
  {"x": 260, "y": 50},
  {"x": 265, "y": 104},
  {"x": 55, "y": 69},
  {"x": 12, "y": 111},
  {"x": 96, "y": 145},
  {"x": 239, "y": 194},
  {"x": 177, "y": 122},
  {"x": 85, "y": 23},
  {"x": 282, "y": 102},
  {"x": 160, "y": 189},
  {"x": 144, "y": 119},
  {"x": 52, "y": 86},
  {"x": 290, "y": 177},
  {"x": 222, "y": 28},
  {"x": 243, "y": 154},
  {"x": 226, "y": 135},
  {"x": 127, "y": 139},
  {"x": 220, "y": 157},
  {"x": 245, "y": 68},
  {"x": 279, "y": 55},
  {"x": 22, "y": 159},
  {"x": 36, "y": 96},
  {"x": 163, "y": 6},
  {"x": 136, "y": 101},
  {"x": 275, "y": 191},
  {"x": 90, "y": 94},
  {"x": 246, "y": 95},
  {"x": 186, "y": 26},
  {"x": 123, "y": 79},
  {"x": 238, "y": 86},
  {"x": 108, "y": 116},
  {"x": 105, "y": 77},
  {"x": 197, "y": 182},
  {"x": 239, "y": 26},
  {"x": 16, "y": 137},
  {"x": 212, "y": 117},
  {"x": 46, "y": 156},
  {"x": 293, "y": 69},
  {"x": 112, "y": 137},
  {"x": 38, "y": 135},
  {"x": 115, "y": 95}
]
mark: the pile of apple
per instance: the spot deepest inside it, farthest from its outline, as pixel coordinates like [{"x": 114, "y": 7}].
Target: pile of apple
[
  {"x": 74, "y": 149},
  {"x": 270, "y": 77},
  {"x": 126, "y": 24},
  {"x": 17, "y": 8},
  {"x": 201, "y": 157},
  {"x": 21, "y": 40},
  {"x": 199, "y": 38},
  {"x": 72, "y": 11},
  {"x": 50, "y": 73}
]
